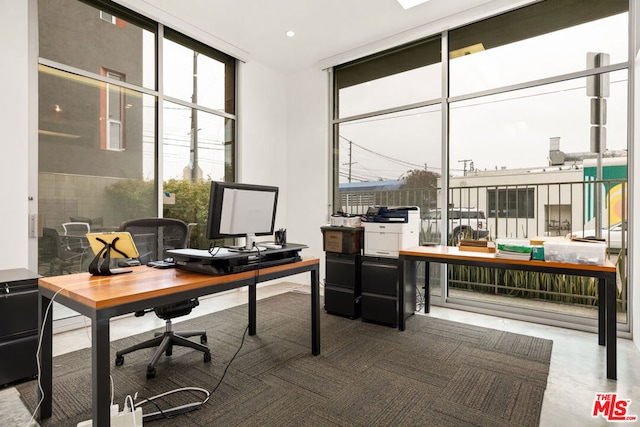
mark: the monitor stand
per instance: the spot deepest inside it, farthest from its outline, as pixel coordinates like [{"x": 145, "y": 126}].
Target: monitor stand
[{"x": 249, "y": 246}]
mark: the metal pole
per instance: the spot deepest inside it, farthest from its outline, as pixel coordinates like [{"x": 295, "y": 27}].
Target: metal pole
[{"x": 194, "y": 121}]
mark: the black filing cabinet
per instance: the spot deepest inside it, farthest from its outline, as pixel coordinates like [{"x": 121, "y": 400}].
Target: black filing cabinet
[
  {"x": 343, "y": 247},
  {"x": 379, "y": 300},
  {"x": 342, "y": 284},
  {"x": 18, "y": 325}
]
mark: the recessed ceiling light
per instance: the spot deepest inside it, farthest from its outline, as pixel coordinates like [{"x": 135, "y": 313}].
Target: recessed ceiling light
[
  {"x": 291, "y": 33},
  {"x": 406, "y": 4}
]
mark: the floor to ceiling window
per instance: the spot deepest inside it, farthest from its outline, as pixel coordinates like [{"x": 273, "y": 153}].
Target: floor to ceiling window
[
  {"x": 121, "y": 135},
  {"x": 536, "y": 103},
  {"x": 387, "y": 127},
  {"x": 198, "y": 117}
]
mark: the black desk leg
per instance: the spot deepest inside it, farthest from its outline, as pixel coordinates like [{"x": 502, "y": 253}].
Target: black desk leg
[
  {"x": 602, "y": 311},
  {"x": 46, "y": 357},
  {"x": 252, "y": 309},
  {"x": 427, "y": 287},
  {"x": 315, "y": 312},
  {"x": 100, "y": 371},
  {"x": 402, "y": 276},
  {"x": 611, "y": 328}
]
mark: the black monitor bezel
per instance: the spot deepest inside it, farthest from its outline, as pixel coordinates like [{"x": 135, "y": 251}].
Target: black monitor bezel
[{"x": 215, "y": 208}]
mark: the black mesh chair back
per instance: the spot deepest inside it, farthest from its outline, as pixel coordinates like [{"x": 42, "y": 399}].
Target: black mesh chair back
[
  {"x": 53, "y": 251},
  {"x": 153, "y": 237}
]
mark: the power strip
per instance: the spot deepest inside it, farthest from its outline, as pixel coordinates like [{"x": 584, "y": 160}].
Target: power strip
[{"x": 120, "y": 419}]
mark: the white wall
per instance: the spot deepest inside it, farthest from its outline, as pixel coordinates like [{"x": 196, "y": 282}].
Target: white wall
[
  {"x": 14, "y": 135},
  {"x": 262, "y": 133},
  {"x": 308, "y": 158}
]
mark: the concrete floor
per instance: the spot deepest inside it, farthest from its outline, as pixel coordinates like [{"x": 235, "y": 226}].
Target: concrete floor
[{"x": 577, "y": 370}]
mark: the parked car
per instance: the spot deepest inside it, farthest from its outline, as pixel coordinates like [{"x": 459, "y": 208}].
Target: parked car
[
  {"x": 464, "y": 223},
  {"x": 612, "y": 235}
]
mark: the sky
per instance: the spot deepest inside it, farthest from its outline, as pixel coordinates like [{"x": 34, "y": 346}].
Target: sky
[{"x": 510, "y": 130}]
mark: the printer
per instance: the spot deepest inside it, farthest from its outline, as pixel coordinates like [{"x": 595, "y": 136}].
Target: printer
[{"x": 388, "y": 230}]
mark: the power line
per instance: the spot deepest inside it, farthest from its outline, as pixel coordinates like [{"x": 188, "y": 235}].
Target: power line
[{"x": 384, "y": 156}]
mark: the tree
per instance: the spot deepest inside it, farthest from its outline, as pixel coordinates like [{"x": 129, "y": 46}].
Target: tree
[{"x": 419, "y": 178}]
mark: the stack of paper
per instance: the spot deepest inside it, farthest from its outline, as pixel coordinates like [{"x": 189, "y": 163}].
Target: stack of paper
[
  {"x": 513, "y": 249},
  {"x": 513, "y": 254}
]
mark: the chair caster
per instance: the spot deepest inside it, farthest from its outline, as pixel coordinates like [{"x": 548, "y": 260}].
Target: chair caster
[
  {"x": 119, "y": 360},
  {"x": 151, "y": 372},
  {"x": 207, "y": 357},
  {"x": 203, "y": 339},
  {"x": 169, "y": 351}
]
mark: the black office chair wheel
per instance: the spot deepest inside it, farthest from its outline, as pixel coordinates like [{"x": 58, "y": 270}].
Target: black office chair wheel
[
  {"x": 151, "y": 372},
  {"x": 119, "y": 360},
  {"x": 207, "y": 357},
  {"x": 203, "y": 339},
  {"x": 169, "y": 351}
]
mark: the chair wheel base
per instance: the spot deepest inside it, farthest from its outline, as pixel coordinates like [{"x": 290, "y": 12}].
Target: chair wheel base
[
  {"x": 119, "y": 360},
  {"x": 207, "y": 357},
  {"x": 203, "y": 339},
  {"x": 151, "y": 372}
]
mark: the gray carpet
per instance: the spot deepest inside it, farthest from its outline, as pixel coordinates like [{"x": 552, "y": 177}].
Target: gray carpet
[{"x": 436, "y": 372}]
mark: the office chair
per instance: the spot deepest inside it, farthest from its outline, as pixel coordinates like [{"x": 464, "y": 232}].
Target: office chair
[
  {"x": 153, "y": 236},
  {"x": 75, "y": 234},
  {"x": 60, "y": 258},
  {"x": 93, "y": 222}
]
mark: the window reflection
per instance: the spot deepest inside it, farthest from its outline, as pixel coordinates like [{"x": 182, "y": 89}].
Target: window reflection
[
  {"x": 74, "y": 33},
  {"x": 79, "y": 180}
]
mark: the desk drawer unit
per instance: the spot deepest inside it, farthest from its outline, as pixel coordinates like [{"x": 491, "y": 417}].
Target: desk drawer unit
[
  {"x": 342, "y": 284},
  {"x": 379, "y": 301},
  {"x": 18, "y": 325},
  {"x": 379, "y": 283}
]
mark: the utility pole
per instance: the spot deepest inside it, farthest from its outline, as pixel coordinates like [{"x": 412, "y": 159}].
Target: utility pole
[
  {"x": 350, "y": 156},
  {"x": 350, "y": 159},
  {"x": 465, "y": 161}
]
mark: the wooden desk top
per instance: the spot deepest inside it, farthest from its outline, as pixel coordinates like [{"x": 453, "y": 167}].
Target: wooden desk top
[
  {"x": 144, "y": 282},
  {"x": 453, "y": 253}
]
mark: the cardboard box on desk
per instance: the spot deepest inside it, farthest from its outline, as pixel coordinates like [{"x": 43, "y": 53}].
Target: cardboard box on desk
[{"x": 342, "y": 240}]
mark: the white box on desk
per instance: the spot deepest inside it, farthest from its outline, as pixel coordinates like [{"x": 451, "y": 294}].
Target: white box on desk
[{"x": 575, "y": 252}]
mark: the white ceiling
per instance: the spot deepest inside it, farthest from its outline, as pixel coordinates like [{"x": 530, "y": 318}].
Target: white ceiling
[{"x": 325, "y": 29}]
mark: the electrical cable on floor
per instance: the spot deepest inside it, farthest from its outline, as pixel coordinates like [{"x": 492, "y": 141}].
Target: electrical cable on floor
[
  {"x": 38, "y": 350},
  {"x": 177, "y": 410},
  {"x": 420, "y": 300}
]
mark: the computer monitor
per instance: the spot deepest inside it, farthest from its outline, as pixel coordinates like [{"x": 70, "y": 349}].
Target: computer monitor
[{"x": 241, "y": 210}]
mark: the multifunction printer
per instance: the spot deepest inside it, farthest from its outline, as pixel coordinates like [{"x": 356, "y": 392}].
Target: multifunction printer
[{"x": 388, "y": 230}]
